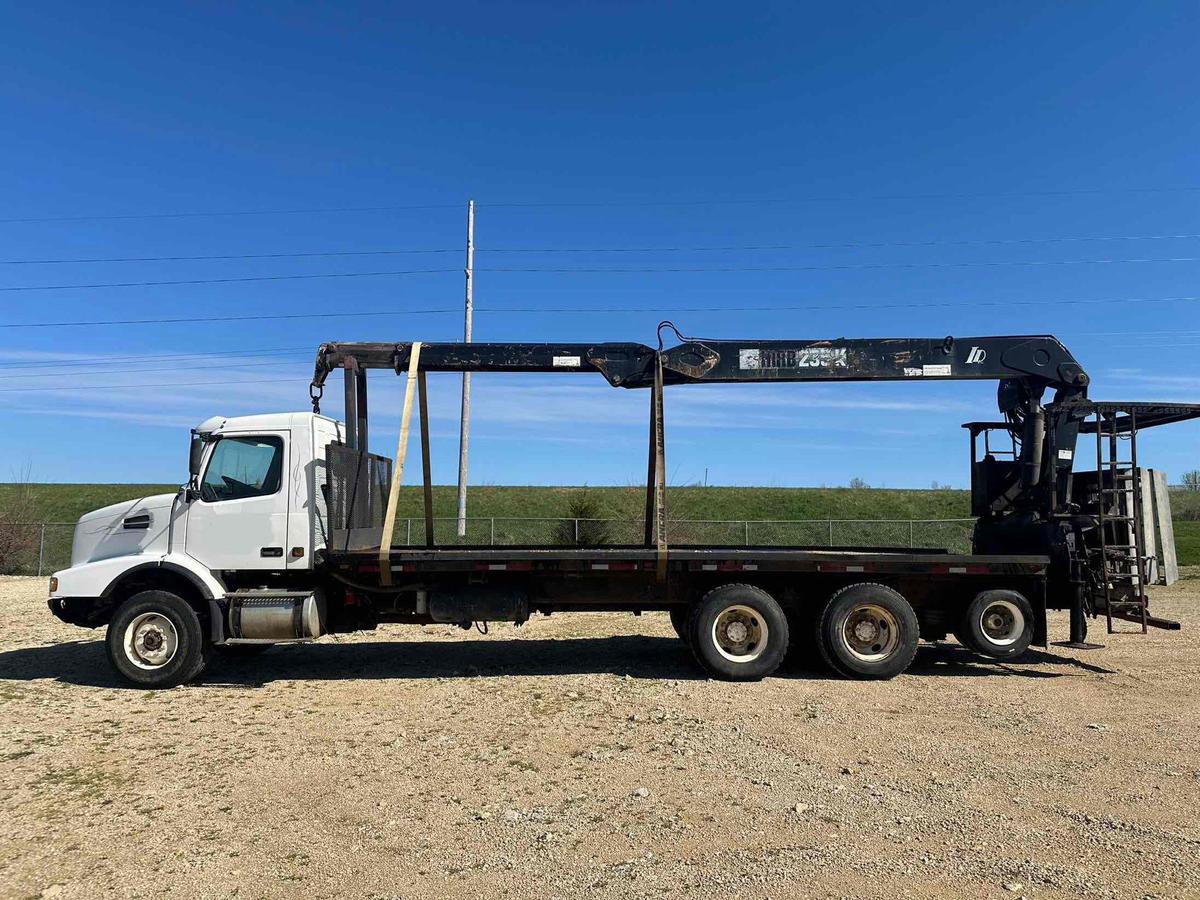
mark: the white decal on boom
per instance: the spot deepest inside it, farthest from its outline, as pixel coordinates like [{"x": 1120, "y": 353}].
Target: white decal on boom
[{"x": 799, "y": 358}]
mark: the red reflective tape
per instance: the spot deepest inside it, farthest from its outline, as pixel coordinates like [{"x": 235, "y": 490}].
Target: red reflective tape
[
  {"x": 622, "y": 566},
  {"x": 368, "y": 568},
  {"x": 520, "y": 566},
  {"x": 830, "y": 567},
  {"x": 729, "y": 567}
]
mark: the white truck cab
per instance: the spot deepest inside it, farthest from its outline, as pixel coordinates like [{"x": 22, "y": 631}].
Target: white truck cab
[{"x": 250, "y": 506}]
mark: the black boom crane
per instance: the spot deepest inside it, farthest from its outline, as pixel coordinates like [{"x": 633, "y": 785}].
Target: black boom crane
[
  {"x": 1024, "y": 503},
  {"x": 1025, "y": 366}
]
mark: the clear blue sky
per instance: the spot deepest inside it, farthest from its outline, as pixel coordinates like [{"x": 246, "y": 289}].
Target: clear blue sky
[{"x": 972, "y": 133}]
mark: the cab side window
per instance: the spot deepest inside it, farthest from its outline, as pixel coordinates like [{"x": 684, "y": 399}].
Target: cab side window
[{"x": 242, "y": 467}]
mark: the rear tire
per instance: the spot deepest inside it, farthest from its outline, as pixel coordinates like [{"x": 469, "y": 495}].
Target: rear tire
[
  {"x": 868, "y": 631},
  {"x": 738, "y": 633},
  {"x": 155, "y": 640},
  {"x": 997, "y": 624}
]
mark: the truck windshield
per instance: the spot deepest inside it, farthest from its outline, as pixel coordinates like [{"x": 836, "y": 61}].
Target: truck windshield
[{"x": 241, "y": 467}]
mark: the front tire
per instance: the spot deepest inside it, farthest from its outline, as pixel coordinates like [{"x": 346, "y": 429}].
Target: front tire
[
  {"x": 868, "y": 631},
  {"x": 738, "y": 633},
  {"x": 155, "y": 640},
  {"x": 997, "y": 624}
]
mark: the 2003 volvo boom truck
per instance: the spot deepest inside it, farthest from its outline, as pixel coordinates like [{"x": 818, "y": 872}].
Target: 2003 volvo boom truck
[{"x": 284, "y": 530}]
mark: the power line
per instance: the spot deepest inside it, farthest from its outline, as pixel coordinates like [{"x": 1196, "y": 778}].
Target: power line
[
  {"x": 257, "y": 318},
  {"x": 747, "y": 201},
  {"x": 847, "y": 245},
  {"x": 840, "y": 306},
  {"x": 847, "y": 266},
  {"x": 861, "y": 198},
  {"x": 227, "y": 256},
  {"x": 591, "y": 270},
  {"x": 143, "y": 385},
  {"x": 124, "y": 284},
  {"x": 656, "y": 310},
  {"x": 101, "y": 360},
  {"x": 212, "y": 365},
  {"x": 224, "y": 213}
]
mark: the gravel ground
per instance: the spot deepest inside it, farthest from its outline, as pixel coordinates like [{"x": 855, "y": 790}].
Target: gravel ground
[{"x": 581, "y": 755}]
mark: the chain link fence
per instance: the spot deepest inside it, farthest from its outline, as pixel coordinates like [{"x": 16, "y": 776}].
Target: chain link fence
[
  {"x": 933, "y": 534},
  {"x": 42, "y": 548}
]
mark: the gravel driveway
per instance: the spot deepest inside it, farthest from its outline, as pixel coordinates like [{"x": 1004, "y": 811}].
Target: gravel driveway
[{"x": 581, "y": 755}]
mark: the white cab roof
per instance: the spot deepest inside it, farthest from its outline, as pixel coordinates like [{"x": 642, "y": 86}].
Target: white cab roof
[{"x": 263, "y": 422}]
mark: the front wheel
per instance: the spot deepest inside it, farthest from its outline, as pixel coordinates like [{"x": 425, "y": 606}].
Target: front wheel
[
  {"x": 738, "y": 633},
  {"x": 155, "y": 640},
  {"x": 868, "y": 631}
]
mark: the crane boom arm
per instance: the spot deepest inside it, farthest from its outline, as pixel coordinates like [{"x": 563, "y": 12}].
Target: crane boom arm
[{"x": 1038, "y": 360}]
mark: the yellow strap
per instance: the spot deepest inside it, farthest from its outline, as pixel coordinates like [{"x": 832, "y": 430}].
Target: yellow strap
[
  {"x": 660, "y": 474},
  {"x": 389, "y": 518}
]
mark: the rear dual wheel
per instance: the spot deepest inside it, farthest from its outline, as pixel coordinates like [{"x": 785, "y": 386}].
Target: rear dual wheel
[
  {"x": 738, "y": 632},
  {"x": 868, "y": 631},
  {"x": 997, "y": 624}
]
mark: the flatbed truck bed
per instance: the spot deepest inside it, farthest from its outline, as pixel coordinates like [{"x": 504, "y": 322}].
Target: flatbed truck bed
[{"x": 627, "y": 578}]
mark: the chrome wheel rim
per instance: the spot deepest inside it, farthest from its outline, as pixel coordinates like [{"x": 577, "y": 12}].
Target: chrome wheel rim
[
  {"x": 1002, "y": 623},
  {"x": 150, "y": 641},
  {"x": 871, "y": 633},
  {"x": 740, "y": 634}
]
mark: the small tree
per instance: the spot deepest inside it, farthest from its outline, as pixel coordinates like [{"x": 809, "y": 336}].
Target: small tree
[
  {"x": 1191, "y": 480},
  {"x": 584, "y": 507},
  {"x": 857, "y": 484}
]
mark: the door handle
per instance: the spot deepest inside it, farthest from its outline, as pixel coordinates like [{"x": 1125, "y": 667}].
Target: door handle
[{"x": 270, "y": 552}]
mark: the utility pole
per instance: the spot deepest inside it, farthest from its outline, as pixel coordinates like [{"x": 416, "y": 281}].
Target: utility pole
[{"x": 465, "y": 423}]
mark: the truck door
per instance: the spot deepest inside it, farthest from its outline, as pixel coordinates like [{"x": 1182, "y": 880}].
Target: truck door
[{"x": 239, "y": 521}]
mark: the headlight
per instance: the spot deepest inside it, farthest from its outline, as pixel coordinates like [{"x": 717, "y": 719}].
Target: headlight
[{"x": 53, "y": 585}]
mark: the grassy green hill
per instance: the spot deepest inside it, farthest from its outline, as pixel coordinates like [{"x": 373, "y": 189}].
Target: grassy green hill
[{"x": 66, "y": 502}]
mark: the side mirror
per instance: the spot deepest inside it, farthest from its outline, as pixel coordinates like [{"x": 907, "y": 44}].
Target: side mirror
[{"x": 195, "y": 456}]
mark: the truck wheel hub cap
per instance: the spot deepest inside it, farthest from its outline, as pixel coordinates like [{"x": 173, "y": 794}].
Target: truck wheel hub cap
[
  {"x": 871, "y": 633},
  {"x": 1002, "y": 623},
  {"x": 150, "y": 641},
  {"x": 740, "y": 634}
]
